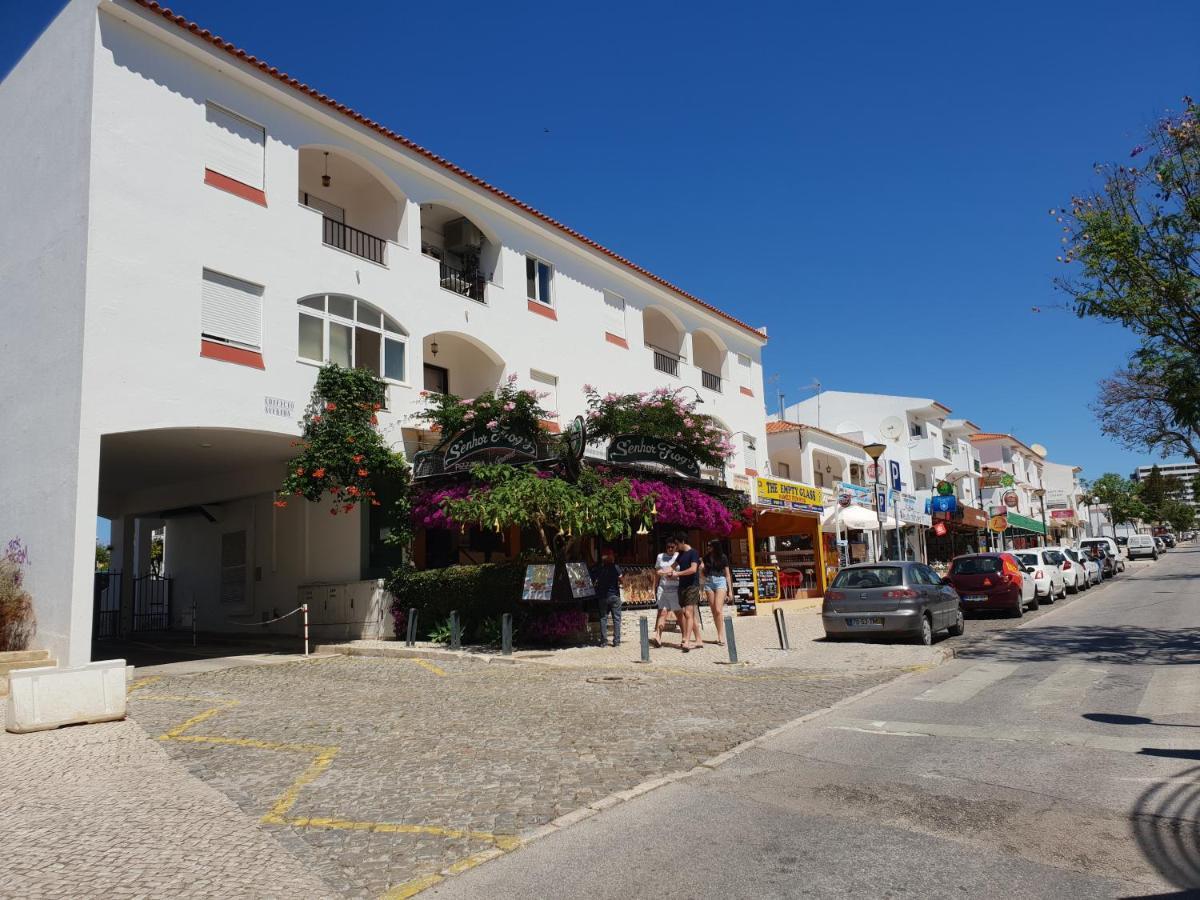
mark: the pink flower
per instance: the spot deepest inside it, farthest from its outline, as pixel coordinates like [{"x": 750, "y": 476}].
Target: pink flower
[
  {"x": 509, "y": 406},
  {"x": 512, "y": 379},
  {"x": 469, "y": 415},
  {"x": 493, "y": 425},
  {"x": 588, "y": 389}
]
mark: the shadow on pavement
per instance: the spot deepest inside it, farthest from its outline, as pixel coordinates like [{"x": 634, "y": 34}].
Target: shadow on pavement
[
  {"x": 157, "y": 650},
  {"x": 1117, "y": 645},
  {"x": 1166, "y": 829},
  {"x": 1119, "y": 719}
]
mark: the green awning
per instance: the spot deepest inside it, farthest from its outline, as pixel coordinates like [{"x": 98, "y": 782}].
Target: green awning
[{"x": 1018, "y": 521}]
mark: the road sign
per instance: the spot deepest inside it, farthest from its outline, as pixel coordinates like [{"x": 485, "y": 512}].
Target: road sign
[
  {"x": 998, "y": 523},
  {"x": 894, "y": 472}
]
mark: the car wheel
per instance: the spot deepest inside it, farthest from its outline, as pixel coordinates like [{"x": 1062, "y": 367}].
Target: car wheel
[
  {"x": 925, "y": 635},
  {"x": 1072, "y": 588},
  {"x": 1019, "y": 609},
  {"x": 1050, "y": 597},
  {"x": 959, "y": 626},
  {"x": 1035, "y": 603}
]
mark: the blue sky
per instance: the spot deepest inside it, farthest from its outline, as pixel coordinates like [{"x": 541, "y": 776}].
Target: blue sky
[{"x": 870, "y": 181}]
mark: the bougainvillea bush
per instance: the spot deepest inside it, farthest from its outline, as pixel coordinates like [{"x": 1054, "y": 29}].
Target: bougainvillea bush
[
  {"x": 17, "y": 623},
  {"x": 429, "y": 506},
  {"x": 507, "y": 407},
  {"x": 685, "y": 506},
  {"x": 661, "y": 413}
]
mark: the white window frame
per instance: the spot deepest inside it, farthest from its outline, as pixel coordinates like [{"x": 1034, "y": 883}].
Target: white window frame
[
  {"x": 749, "y": 452},
  {"x": 249, "y": 287},
  {"x": 783, "y": 470},
  {"x": 537, "y": 282},
  {"x": 398, "y": 334},
  {"x": 745, "y": 369},
  {"x": 259, "y": 183},
  {"x": 544, "y": 381}
]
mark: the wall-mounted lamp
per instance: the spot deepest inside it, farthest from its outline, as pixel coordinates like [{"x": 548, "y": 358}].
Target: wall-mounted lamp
[
  {"x": 325, "y": 179},
  {"x": 433, "y": 348}
]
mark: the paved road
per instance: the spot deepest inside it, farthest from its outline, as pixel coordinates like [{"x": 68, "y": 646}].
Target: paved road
[{"x": 1060, "y": 759}]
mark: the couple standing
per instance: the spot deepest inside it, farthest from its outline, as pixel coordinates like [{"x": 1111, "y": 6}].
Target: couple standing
[{"x": 680, "y": 573}]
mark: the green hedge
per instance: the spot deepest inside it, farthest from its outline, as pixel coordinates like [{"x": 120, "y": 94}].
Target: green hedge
[{"x": 479, "y": 593}]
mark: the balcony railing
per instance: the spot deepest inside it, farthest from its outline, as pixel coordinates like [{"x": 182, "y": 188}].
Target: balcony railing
[
  {"x": 710, "y": 380},
  {"x": 340, "y": 235},
  {"x": 665, "y": 360},
  {"x": 468, "y": 283}
]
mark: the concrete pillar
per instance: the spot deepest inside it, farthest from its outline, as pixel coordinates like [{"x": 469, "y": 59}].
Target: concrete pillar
[{"x": 124, "y": 541}]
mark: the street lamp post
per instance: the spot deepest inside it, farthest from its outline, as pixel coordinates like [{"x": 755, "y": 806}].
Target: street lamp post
[
  {"x": 875, "y": 451},
  {"x": 1040, "y": 493}
]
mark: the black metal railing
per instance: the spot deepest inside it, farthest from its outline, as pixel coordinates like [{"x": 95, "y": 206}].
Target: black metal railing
[
  {"x": 106, "y": 606},
  {"x": 710, "y": 380},
  {"x": 469, "y": 283},
  {"x": 151, "y": 603},
  {"x": 665, "y": 360},
  {"x": 340, "y": 235}
]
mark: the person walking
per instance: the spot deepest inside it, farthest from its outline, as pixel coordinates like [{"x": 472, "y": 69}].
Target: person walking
[
  {"x": 606, "y": 578},
  {"x": 666, "y": 591},
  {"x": 715, "y": 568},
  {"x": 686, "y": 571}
]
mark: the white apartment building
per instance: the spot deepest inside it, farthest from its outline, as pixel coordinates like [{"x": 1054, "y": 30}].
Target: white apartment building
[
  {"x": 1186, "y": 473},
  {"x": 1013, "y": 473},
  {"x": 1065, "y": 519},
  {"x": 194, "y": 233},
  {"x": 924, "y": 444}
]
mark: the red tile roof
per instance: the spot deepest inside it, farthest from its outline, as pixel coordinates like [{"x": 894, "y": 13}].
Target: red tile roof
[
  {"x": 235, "y": 51},
  {"x": 775, "y": 426}
]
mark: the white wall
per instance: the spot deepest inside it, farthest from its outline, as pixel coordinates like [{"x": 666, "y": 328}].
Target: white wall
[{"x": 45, "y": 120}]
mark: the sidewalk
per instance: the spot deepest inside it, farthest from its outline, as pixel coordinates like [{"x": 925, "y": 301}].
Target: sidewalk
[{"x": 757, "y": 645}]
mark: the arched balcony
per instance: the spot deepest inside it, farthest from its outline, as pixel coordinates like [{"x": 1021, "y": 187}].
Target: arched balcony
[
  {"x": 709, "y": 356},
  {"x": 361, "y": 211},
  {"x": 467, "y": 257},
  {"x": 664, "y": 336},
  {"x": 459, "y": 364}
]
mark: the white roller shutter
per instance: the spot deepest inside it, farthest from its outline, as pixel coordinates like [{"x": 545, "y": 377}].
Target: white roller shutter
[
  {"x": 231, "y": 310},
  {"x": 235, "y": 146},
  {"x": 614, "y": 314}
]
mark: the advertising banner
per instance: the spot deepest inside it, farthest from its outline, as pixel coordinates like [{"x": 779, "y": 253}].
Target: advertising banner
[
  {"x": 855, "y": 494},
  {"x": 910, "y": 509},
  {"x": 780, "y": 493}
]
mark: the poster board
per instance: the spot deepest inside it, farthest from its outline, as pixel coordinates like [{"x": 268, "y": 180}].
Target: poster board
[
  {"x": 741, "y": 591},
  {"x": 581, "y": 580},
  {"x": 766, "y": 579},
  {"x": 637, "y": 586},
  {"x": 539, "y": 582}
]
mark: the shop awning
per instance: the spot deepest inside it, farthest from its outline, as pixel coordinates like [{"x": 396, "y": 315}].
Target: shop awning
[
  {"x": 852, "y": 518},
  {"x": 1015, "y": 520},
  {"x": 772, "y": 523}
]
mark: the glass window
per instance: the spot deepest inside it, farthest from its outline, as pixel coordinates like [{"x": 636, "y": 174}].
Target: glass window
[
  {"x": 312, "y": 338},
  {"x": 1028, "y": 559},
  {"x": 1054, "y": 557},
  {"x": 367, "y": 345},
  {"x": 976, "y": 565},
  {"x": 341, "y": 306},
  {"x": 393, "y": 359},
  {"x": 868, "y": 577},
  {"x": 369, "y": 316},
  {"x": 314, "y": 302},
  {"x": 538, "y": 276},
  {"x": 340, "y": 342}
]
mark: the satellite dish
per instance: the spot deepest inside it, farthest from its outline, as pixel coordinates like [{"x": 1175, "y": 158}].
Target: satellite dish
[
  {"x": 1039, "y": 450},
  {"x": 891, "y": 428}
]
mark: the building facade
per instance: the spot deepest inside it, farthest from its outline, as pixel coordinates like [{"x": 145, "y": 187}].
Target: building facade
[
  {"x": 201, "y": 234},
  {"x": 1186, "y": 473}
]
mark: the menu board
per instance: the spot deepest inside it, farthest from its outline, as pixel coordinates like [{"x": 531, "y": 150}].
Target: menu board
[
  {"x": 539, "y": 582},
  {"x": 741, "y": 592},
  {"x": 767, "y": 578},
  {"x": 637, "y": 586},
  {"x": 581, "y": 580}
]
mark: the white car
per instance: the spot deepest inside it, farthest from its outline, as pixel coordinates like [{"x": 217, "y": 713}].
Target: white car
[
  {"x": 1087, "y": 571},
  {"x": 1141, "y": 545},
  {"x": 1044, "y": 565}
]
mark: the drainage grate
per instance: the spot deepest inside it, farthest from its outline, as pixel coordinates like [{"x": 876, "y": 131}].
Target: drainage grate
[{"x": 614, "y": 679}]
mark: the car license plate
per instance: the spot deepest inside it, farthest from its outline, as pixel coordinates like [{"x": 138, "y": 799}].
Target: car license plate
[
  {"x": 974, "y": 598},
  {"x": 865, "y": 622}
]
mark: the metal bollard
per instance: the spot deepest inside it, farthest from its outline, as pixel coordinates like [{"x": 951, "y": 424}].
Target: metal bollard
[
  {"x": 410, "y": 638},
  {"x": 455, "y": 631},
  {"x": 644, "y": 628},
  {"x": 506, "y": 634},
  {"x": 731, "y": 639},
  {"x": 781, "y": 629}
]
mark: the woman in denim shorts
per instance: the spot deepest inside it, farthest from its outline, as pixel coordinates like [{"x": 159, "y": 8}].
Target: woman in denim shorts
[{"x": 715, "y": 567}]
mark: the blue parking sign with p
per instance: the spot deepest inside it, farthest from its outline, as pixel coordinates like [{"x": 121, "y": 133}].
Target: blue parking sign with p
[{"x": 894, "y": 471}]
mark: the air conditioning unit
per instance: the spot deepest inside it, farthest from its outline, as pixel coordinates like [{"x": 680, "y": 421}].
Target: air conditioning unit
[{"x": 461, "y": 235}]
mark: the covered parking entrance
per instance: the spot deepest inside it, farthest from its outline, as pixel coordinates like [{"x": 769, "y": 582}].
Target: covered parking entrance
[{"x": 199, "y": 546}]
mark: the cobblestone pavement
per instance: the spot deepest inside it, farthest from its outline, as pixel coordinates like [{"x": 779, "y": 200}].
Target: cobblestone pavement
[
  {"x": 102, "y": 811},
  {"x": 388, "y": 771}
]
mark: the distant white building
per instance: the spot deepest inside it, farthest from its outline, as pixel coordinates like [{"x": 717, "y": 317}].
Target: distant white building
[{"x": 1185, "y": 472}]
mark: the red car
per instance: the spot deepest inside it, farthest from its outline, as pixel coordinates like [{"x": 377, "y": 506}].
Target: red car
[{"x": 993, "y": 581}]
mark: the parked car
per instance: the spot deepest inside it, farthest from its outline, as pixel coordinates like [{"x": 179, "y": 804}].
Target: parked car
[
  {"x": 1122, "y": 540},
  {"x": 1159, "y": 545},
  {"x": 1169, "y": 540},
  {"x": 993, "y": 581},
  {"x": 1141, "y": 546},
  {"x": 1046, "y": 563},
  {"x": 901, "y": 599},
  {"x": 1106, "y": 542},
  {"x": 1108, "y": 564},
  {"x": 1087, "y": 571}
]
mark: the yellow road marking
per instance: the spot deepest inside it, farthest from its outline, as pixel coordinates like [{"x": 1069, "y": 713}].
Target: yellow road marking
[
  {"x": 143, "y": 682},
  {"x": 501, "y": 842},
  {"x": 195, "y": 720},
  {"x": 426, "y": 664},
  {"x": 288, "y": 798},
  {"x": 412, "y": 888}
]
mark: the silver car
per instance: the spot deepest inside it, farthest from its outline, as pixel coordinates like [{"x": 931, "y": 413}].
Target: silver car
[{"x": 896, "y": 599}]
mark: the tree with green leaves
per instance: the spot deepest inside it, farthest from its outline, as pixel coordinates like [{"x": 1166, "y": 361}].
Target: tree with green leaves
[
  {"x": 1120, "y": 497},
  {"x": 1153, "y": 492},
  {"x": 1136, "y": 242},
  {"x": 1179, "y": 515}
]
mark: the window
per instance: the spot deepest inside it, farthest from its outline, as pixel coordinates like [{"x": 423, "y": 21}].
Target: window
[
  {"x": 538, "y": 276},
  {"x": 869, "y": 577},
  {"x": 437, "y": 379},
  {"x": 233, "y": 567},
  {"x": 231, "y": 310},
  {"x": 749, "y": 452},
  {"x": 235, "y": 146},
  {"x": 743, "y": 370},
  {"x": 545, "y": 383},
  {"x": 783, "y": 470},
  {"x": 614, "y": 314},
  {"x": 352, "y": 333},
  {"x": 914, "y": 429}
]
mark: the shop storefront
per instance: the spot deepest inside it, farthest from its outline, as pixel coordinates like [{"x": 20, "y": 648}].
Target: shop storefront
[
  {"x": 956, "y": 529},
  {"x": 1023, "y": 532},
  {"x": 786, "y": 537}
]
